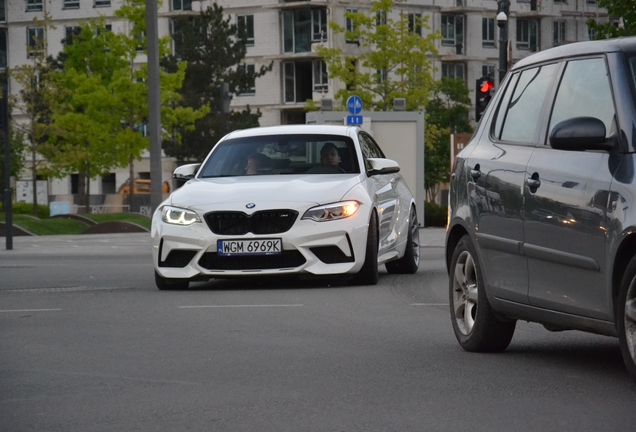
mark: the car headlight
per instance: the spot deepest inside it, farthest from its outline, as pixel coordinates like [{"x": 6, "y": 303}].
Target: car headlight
[
  {"x": 178, "y": 216},
  {"x": 335, "y": 211}
]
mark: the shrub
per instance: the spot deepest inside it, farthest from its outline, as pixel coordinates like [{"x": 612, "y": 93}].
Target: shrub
[
  {"x": 435, "y": 215},
  {"x": 27, "y": 209}
]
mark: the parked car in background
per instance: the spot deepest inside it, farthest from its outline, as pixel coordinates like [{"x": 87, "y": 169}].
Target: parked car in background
[
  {"x": 542, "y": 220},
  {"x": 305, "y": 200}
]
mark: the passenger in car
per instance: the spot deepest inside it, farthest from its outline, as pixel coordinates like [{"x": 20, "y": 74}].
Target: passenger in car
[{"x": 256, "y": 162}]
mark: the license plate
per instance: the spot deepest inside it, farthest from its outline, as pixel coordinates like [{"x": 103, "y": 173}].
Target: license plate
[{"x": 249, "y": 247}]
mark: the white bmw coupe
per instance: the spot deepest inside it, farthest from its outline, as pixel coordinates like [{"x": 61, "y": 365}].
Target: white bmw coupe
[{"x": 307, "y": 200}]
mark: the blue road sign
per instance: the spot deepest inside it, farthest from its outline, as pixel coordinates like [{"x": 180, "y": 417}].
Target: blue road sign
[
  {"x": 354, "y": 120},
  {"x": 354, "y": 105}
]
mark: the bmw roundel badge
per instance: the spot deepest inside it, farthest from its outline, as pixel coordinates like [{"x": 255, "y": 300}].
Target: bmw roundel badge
[{"x": 250, "y": 205}]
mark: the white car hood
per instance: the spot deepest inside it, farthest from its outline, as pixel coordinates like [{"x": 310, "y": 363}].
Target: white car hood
[{"x": 264, "y": 191}]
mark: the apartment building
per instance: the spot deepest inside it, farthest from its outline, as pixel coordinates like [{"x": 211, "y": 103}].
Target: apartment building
[{"x": 286, "y": 32}]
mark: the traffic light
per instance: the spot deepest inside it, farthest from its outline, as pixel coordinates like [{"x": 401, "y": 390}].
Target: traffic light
[{"x": 483, "y": 88}]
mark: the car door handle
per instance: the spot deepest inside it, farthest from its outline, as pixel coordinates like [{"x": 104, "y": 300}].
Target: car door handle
[
  {"x": 475, "y": 174},
  {"x": 533, "y": 183}
]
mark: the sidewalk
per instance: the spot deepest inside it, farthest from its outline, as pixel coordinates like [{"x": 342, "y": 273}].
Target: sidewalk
[{"x": 105, "y": 244}]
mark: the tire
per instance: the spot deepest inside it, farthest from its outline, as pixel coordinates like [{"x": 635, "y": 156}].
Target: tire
[
  {"x": 476, "y": 327},
  {"x": 626, "y": 318},
  {"x": 368, "y": 274},
  {"x": 410, "y": 262},
  {"x": 170, "y": 284}
]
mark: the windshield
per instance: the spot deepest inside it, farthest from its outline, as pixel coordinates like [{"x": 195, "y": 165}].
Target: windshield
[{"x": 282, "y": 154}]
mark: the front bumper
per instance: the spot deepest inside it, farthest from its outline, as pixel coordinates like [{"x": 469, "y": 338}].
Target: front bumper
[{"x": 308, "y": 248}]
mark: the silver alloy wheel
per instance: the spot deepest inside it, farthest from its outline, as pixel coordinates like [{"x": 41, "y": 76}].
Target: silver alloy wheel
[
  {"x": 465, "y": 292},
  {"x": 630, "y": 319},
  {"x": 415, "y": 238}
]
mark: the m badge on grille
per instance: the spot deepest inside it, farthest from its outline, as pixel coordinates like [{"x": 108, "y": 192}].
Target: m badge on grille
[{"x": 250, "y": 205}]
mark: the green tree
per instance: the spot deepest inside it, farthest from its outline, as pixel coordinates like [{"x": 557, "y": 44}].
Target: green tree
[
  {"x": 31, "y": 101},
  {"x": 17, "y": 147},
  {"x": 446, "y": 113},
  {"x": 214, "y": 50},
  {"x": 394, "y": 60},
  {"x": 622, "y": 10},
  {"x": 101, "y": 99}
]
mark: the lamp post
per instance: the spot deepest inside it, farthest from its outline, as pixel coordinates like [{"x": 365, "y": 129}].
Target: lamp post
[
  {"x": 8, "y": 203},
  {"x": 503, "y": 11}
]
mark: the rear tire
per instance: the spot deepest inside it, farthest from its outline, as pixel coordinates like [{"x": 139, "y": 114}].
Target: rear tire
[
  {"x": 368, "y": 274},
  {"x": 626, "y": 318},
  {"x": 410, "y": 262},
  {"x": 170, "y": 284},
  {"x": 476, "y": 327}
]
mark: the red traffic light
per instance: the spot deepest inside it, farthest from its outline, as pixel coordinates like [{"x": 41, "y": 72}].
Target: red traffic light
[{"x": 487, "y": 86}]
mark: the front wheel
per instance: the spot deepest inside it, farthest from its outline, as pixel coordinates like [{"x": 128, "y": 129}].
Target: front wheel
[
  {"x": 626, "y": 318},
  {"x": 475, "y": 325},
  {"x": 410, "y": 262},
  {"x": 170, "y": 284},
  {"x": 368, "y": 274}
]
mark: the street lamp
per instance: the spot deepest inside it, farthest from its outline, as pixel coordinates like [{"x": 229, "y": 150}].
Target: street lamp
[{"x": 503, "y": 11}]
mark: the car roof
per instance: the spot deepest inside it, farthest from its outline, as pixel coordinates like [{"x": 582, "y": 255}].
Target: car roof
[
  {"x": 320, "y": 129},
  {"x": 627, "y": 44}
]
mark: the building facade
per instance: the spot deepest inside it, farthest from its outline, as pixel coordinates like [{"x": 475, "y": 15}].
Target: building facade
[{"x": 287, "y": 32}]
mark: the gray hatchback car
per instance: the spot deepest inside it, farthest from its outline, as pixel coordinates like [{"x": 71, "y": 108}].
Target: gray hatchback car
[{"x": 542, "y": 222}]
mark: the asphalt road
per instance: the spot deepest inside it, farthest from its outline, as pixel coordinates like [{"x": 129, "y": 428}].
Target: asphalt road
[{"x": 87, "y": 343}]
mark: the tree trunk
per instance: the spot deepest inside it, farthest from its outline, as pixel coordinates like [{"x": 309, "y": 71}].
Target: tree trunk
[
  {"x": 34, "y": 178},
  {"x": 131, "y": 185}
]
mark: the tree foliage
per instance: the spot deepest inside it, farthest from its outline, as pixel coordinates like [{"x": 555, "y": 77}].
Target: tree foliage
[
  {"x": 213, "y": 49},
  {"x": 446, "y": 113},
  {"x": 394, "y": 60},
  {"x": 99, "y": 101},
  {"x": 622, "y": 10}
]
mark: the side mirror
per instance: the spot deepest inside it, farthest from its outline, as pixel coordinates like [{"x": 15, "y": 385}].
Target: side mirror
[
  {"x": 580, "y": 133},
  {"x": 382, "y": 166},
  {"x": 184, "y": 173}
]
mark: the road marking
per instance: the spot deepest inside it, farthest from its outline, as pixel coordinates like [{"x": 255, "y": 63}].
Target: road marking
[
  {"x": 429, "y": 304},
  {"x": 239, "y": 306},
  {"x": 31, "y": 310}
]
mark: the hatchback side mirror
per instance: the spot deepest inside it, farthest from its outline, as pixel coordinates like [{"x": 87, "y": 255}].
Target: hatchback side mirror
[
  {"x": 581, "y": 133},
  {"x": 184, "y": 173}
]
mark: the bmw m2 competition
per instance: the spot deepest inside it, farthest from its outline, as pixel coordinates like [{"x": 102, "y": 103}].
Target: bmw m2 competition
[{"x": 306, "y": 200}]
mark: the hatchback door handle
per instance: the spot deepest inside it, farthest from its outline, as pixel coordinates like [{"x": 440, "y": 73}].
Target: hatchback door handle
[{"x": 533, "y": 183}]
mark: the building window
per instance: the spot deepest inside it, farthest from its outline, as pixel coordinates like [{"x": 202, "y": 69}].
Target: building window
[
  {"x": 380, "y": 75},
  {"x": 141, "y": 41},
  {"x": 297, "y": 81},
  {"x": 558, "y": 35},
  {"x": 35, "y": 41},
  {"x": 453, "y": 70},
  {"x": 380, "y": 18},
  {"x": 102, "y": 3},
  {"x": 591, "y": 33},
  {"x": 3, "y": 48},
  {"x": 249, "y": 70},
  {"x": 488, "y": 71},
  {"x": 488, "y": 32},
  {"x": 34, "y": 5},
  {"x": 319, "y": 25},
  {"x": 3, "y": 11},
  {"x": 591, "y": 2},
  {"x": 415, "y": 23},
  {"x": 321, "y": 79},
  {"x": 70, "y": 32},
  {"x": 181, "y": 5},
  {"x": 71, "y": 4},
  {"x": 527, "y": 34},
  {"x": 453, "y": 32},
  {"x": 245, "y": 24},
  {"x": 350, "y": 26},
  {"x": 297, "y": 31},
  {"x": 109, "y": 184}
]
